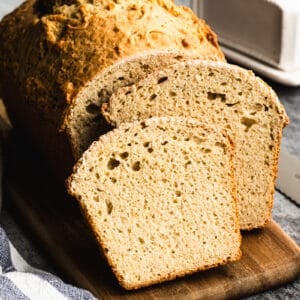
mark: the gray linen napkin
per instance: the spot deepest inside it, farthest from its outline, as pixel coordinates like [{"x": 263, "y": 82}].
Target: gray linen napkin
[{"x": 18, "y": 279}]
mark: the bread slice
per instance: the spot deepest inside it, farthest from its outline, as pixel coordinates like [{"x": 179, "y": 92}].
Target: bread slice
[
  {"x": 159, "y": 196},
  {"x": 51, "y": 50},
  {"x": 84, "y": 123},
  {"x": 231, "y": 98}
]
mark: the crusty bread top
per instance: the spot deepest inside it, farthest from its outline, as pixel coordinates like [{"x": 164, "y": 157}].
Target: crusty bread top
[
  {"x": 160, "y": 198},
  {"x": 51, "y": 52}
]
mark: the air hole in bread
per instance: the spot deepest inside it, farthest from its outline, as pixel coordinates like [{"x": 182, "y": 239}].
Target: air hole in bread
[
  {"x": 150, "y": 150},
  {"x": 113, "y": 180},
  {"x": 143, "y": 125},
  {"x": 161, "y": 128},
  {"x": 185, "y": 43},
  {"x": 222, "y": 145},
  {"x": 232, "y": 104},
  {"x": 117, "y": 50},
  {"x": 162, "y": 79},
  {"x": 164, "y": 143},
  {"x": 178, "y": 193},
  {"x": 128, "y": 93},
  {"x": 152, "y": 97},
  {"x": 187, "y": 163},
  {"x": 109, "y": 206},
  {"x": 172, "y": 94},
  {"x": 109, "y": 7},
  {"x": 116, "y": 29},
  {"x": 136, "y": 166},
  {"x": 198, "y": 140},
  {"x": 214, "y": 96},
  {"x": 146, "y": 144},
  {"x": 205, "y": 150},
  {"x": 121, "y": 78},
  {"x": 93, "y": 109},
  {"x": 112, "y": 164},
  {"x": 248, "y": 123},
  {"x": 141, "y": 240},
  {"x": 124, "y": 155}
]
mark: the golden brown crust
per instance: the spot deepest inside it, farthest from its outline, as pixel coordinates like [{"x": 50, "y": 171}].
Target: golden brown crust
[
  {"x": 65, "y": 49},
  {"x": 50, "y": 51}
]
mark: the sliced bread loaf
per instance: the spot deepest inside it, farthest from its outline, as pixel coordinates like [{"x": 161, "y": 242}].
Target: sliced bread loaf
[
  {"x": 84, "y": 123},
  {"x": 229, "y": 97},
  {"x": 159, "y": 196},
  {"x": 50, "y": 51}
]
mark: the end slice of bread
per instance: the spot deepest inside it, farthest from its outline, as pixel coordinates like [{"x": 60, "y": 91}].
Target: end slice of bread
[
  {"x": 84, "y": 122},
  {"x": 229, "y": 97},
  {"x": 159, "y": 196}
]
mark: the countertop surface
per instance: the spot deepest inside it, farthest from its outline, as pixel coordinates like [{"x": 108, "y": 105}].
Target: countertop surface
[{"x": 285, "y": 211}]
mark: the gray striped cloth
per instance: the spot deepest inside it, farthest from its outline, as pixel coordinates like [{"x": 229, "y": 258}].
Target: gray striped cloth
[{"x": 21, "y": 281}]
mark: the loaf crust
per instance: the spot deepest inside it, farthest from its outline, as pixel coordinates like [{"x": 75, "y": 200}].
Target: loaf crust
[
  {"x": 113, "y": 209},
  {"x": 51, "y": 51}
]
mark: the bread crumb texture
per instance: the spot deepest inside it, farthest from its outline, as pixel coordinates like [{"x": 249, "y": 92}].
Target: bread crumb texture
[
  {"x": 84, "y": 122},
  {"x": 229, "y": 97},
  {"x": 160, "y": 198}
]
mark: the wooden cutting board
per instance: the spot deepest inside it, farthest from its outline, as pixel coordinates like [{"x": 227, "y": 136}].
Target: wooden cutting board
[{"x": 270, "y": 258}]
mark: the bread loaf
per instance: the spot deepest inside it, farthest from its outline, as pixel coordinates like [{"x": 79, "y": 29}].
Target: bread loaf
[
  {"x": 229, "y": 97},
  {"x": 50, "y": 51},
  {"x": 84, "y": 122},
  {"x": 159, "y": 196}
]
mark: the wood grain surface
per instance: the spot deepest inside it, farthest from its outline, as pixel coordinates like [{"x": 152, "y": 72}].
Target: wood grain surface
[{"x": 270, "y": 258}]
